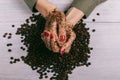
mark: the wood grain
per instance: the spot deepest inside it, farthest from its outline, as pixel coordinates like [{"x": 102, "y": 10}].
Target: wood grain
[{"x": 106, "y": 40}]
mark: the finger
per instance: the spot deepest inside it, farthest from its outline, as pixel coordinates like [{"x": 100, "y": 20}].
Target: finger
[
  {"x": 61, "y": 24},
  {"x": 47, "y": 39},
  {"x": 54, "y": 46},
  {"x": 68, "y": 49},
  {"x": 67, "y": 46},
  {"x": 54, "y": 37},
  {"x": 62, "y": 33},
  {"x": 43, "y": 38}
]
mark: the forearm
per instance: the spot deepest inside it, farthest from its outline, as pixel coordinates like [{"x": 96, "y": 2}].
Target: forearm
[
  {"x": 44, "y": 7},
  {"x": 74, "y": 15},
  {"x": 86, "y": 6}
]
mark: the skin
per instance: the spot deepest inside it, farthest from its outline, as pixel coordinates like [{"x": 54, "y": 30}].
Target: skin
[{"x": 58, "y": 25}]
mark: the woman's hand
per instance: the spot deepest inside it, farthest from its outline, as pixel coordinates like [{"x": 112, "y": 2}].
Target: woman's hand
[
  {"x": 73, "y": 16},
  {"x": 54, "y": 34}
]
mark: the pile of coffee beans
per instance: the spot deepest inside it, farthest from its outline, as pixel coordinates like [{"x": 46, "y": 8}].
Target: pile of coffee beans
[{"x": 42, "y": 60}]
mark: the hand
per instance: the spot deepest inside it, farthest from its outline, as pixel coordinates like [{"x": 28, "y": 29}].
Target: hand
[
  {"x": 54, "y": 27},
  {"x": 73, "y": 16},
  {"x": 54, "y": 34}
]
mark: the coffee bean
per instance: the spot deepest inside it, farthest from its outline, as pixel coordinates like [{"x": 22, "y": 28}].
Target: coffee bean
[
  {"x": 93, "y": 20},
  {"x": 91, "y": 48},
  {"x": 11, "y": 58},
  {"x": 9, "y": 50},
  {"x": 10, "y": 33},
  {"x": 9, "y": 37},
  {"x": 93, "y": 30},
  {"x": 13, "y": 25},
  {"x": 11, "y": 62},
  {"x": 98, "y": 14},
  {"x": 46, "y": 76}
]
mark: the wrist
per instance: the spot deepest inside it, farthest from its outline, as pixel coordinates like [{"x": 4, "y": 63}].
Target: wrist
[
  {"x": 44, "y": 7},
  {"x": 74, "y": 15}
]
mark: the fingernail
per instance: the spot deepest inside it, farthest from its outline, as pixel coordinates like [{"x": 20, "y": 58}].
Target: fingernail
[
  {"x": 51, "y": 36},
  {"x": 46, "y": 34},
  {"x": 62, "y": 38},
  {"x": 63, "y": 51}
]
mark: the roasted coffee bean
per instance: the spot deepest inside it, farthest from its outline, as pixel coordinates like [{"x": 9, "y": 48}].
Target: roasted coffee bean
[
  {"x": 27, "y": 20},
  {"x": 93, "y": 20},
  {"x": 9, "y": 37},
  {"x": 22, "y": 57},
  {"x": 11, "y": 58},
  {"x": 93, "y": 30},
  {"x": 9, "y": 50},
  {"x": 11, "y": 62},
  {"x": 13, "y": 25},
  {"x": 10, "y": 33},
  {"x": 98, "y": 14},
  {"x": 46, "y": 76}
]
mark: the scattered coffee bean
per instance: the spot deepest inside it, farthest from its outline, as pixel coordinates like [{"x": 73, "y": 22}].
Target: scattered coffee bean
[
  {"x": 9, "y": 50},
  {"x": 11, "y": 62},
  {"x": 27, "y": 20},
  {"x": 13, "y": 25},
  {"x": 93, "y": 20},
  {"x": 11, "y": 58},
  {"x": 93, "y": 30},
  {"x": 9, "y": 37},
  {"x": 10, "y": 33},
  {"x": 46, "y": 76},
  {"x": 91, "y": 48},
  {"x": 98, "y": 14}
]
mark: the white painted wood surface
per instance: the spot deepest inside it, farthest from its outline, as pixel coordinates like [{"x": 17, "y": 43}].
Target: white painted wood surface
[{"x": 106, "y": 42}]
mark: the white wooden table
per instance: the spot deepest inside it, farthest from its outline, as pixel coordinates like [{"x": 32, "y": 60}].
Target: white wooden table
[{"x": 106, "y": 43}]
